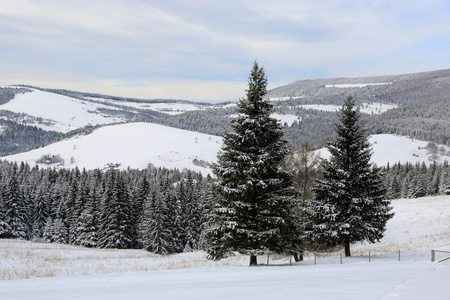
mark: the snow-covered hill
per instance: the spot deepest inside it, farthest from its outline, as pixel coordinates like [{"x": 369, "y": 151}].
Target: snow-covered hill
[
  {"x": 58, "y": 112},
  {"x": 371, "y": 108},
  {"x": 132, "y": 145},
  {"x": 136, "y": 145},
  {"x": 388, "y": 148}
]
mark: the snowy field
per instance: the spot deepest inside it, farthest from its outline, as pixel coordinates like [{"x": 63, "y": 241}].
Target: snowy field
[
  {"x": 365, "y": 108},
  {"x": 136, "y": 145},
  {"x": 132, "y": 145},
  {"x": 168, "y": 108},
  {"x": 67, "y": 272},
  {"x": 389, "y": 148},
  {"x": 65, "y": 113}
]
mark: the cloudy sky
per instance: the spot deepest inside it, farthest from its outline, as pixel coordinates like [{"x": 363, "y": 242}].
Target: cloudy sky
[{"x": 204, "y": 49}]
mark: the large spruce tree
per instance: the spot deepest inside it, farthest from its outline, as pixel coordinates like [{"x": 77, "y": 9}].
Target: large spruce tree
[
  {"x": 349, "y": 203},
  {"x": 253, "y": 209}
]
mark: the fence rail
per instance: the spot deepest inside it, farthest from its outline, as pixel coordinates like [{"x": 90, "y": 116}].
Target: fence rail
[{"x": 433, "y": 255}]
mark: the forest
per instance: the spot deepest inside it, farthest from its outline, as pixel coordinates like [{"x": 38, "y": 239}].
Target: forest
[{"x": 157, "y": 209}]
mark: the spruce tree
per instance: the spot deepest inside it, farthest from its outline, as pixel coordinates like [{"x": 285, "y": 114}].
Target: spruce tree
[
  {"x": 349, "y": 202},
  {"x": 253, "y": 210},
  {"x": 115, "y": 228},
  {"x": 15, "y": 209},
  {"x": 155, "y": 234}
]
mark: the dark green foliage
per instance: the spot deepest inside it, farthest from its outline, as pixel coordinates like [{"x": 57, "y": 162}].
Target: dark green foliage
[
  {"x": 15, "y": 210},
  {"x": 17, "y": 138},
  {"x": 252, "y": 211},
  {"x": 349, "y": 202},
  {"x": 155, "y": 234},
  {"x": 115, "y": 227},
  {"x": 98, "y": 209},
  {"x": 418, "y": 180}
]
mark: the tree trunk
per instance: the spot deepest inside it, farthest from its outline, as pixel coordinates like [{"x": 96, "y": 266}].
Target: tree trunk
[
  {"x": 347, "y": 248},
  {"x": 298, "y": 256},
  {"x": 253, "y": 260}
]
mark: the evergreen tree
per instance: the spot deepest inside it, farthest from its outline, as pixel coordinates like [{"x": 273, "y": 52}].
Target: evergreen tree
[
  {"x": 5, "y": 229},
  {"x": 154, "y": 229},
  {"x": 174, "y": 216},
  {"x": 444, "y": 185},
  {"x": 115, "y": 228},
  {"x": 55, "y": 231},
  {"x": 40, "y": 211},
  {"x": 139, "y": 195},
  {"x": 349, "y": 203},
  {"x": 48, "y": 231},
  {"x": 253, "y": 212},
  {"x": 60, "y": 234},
  {"x": 14, "y": 207}
]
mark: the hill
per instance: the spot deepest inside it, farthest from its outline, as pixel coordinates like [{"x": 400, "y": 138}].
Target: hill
[
  {"x": 132, "y": 145},
  {"x": 410, "y": 105},
  {"x": 419, "y": 104},
  {"x": 136, "y": 145},
  {"x": 392, "y": 149}
]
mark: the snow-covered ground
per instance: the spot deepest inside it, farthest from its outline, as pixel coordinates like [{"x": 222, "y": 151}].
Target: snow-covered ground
[
  {"x": 288, "y": 118},
  {"x": 64, "y": 112},
  {"x": 168, "y": 108},
  {"x": 366, "y": 108},
  {"x": 355, "y": 85},
  {"x": 418, "y": 226},
  {"x": 136, "y": 145},
  {"x": 389, "y": 148},
  {"x": 132, "y": 145}
]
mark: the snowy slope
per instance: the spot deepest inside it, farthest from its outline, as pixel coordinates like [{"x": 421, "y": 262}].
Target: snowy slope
[
  {"x": 388, "y": 148},
  {"x": 372, "y": 108},
  {"x": 132, "y": 145},
  {"x": 64, "y": 113},
  {"x": 136, "y": 145},
  {"x": 168, "y": 108},
  {"x": 418, "y": 225}
]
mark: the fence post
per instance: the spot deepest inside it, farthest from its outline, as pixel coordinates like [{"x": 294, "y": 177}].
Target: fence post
[
  {"x": 314, "y": 259},
  {"x": 369, "y": 256},
  {"x": 341, "y": 258},
  {"x": 267, "y": 258},
  {"x": 398, "y": 255},
  {"x": 433, "y": 257}
]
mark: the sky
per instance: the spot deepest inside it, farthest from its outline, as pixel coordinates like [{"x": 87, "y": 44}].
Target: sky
[{"x": 204, "y": 50}]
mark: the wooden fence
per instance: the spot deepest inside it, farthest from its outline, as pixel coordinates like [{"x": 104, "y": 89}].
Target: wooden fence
[{"x": 433, "y": 255}]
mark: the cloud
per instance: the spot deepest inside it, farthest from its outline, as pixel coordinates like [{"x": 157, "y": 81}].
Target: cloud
[{"x": 198, "y": 44}]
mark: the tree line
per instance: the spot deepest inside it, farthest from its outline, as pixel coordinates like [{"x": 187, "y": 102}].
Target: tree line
[
  {"x": 416, "y": 180},
  {"x": 156, "y": 209}
]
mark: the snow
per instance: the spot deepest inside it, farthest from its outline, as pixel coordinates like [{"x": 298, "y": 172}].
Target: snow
[
  {"x": 321, "y": 107},
  {"x": 132, "y": 145},
  {"x": 168, "y": 108},
  {"x": 282, "y": 118},
  {"x": 287, "y": 118},
  {"x": 285, "y": 98},
  {"x": 389, "y": 148},
  {"x": 365, "y": 108},
  {"x": 82, "y": 273},
  {"x": 64, "y": 112},
  {"x": 355, "y": 85}
]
